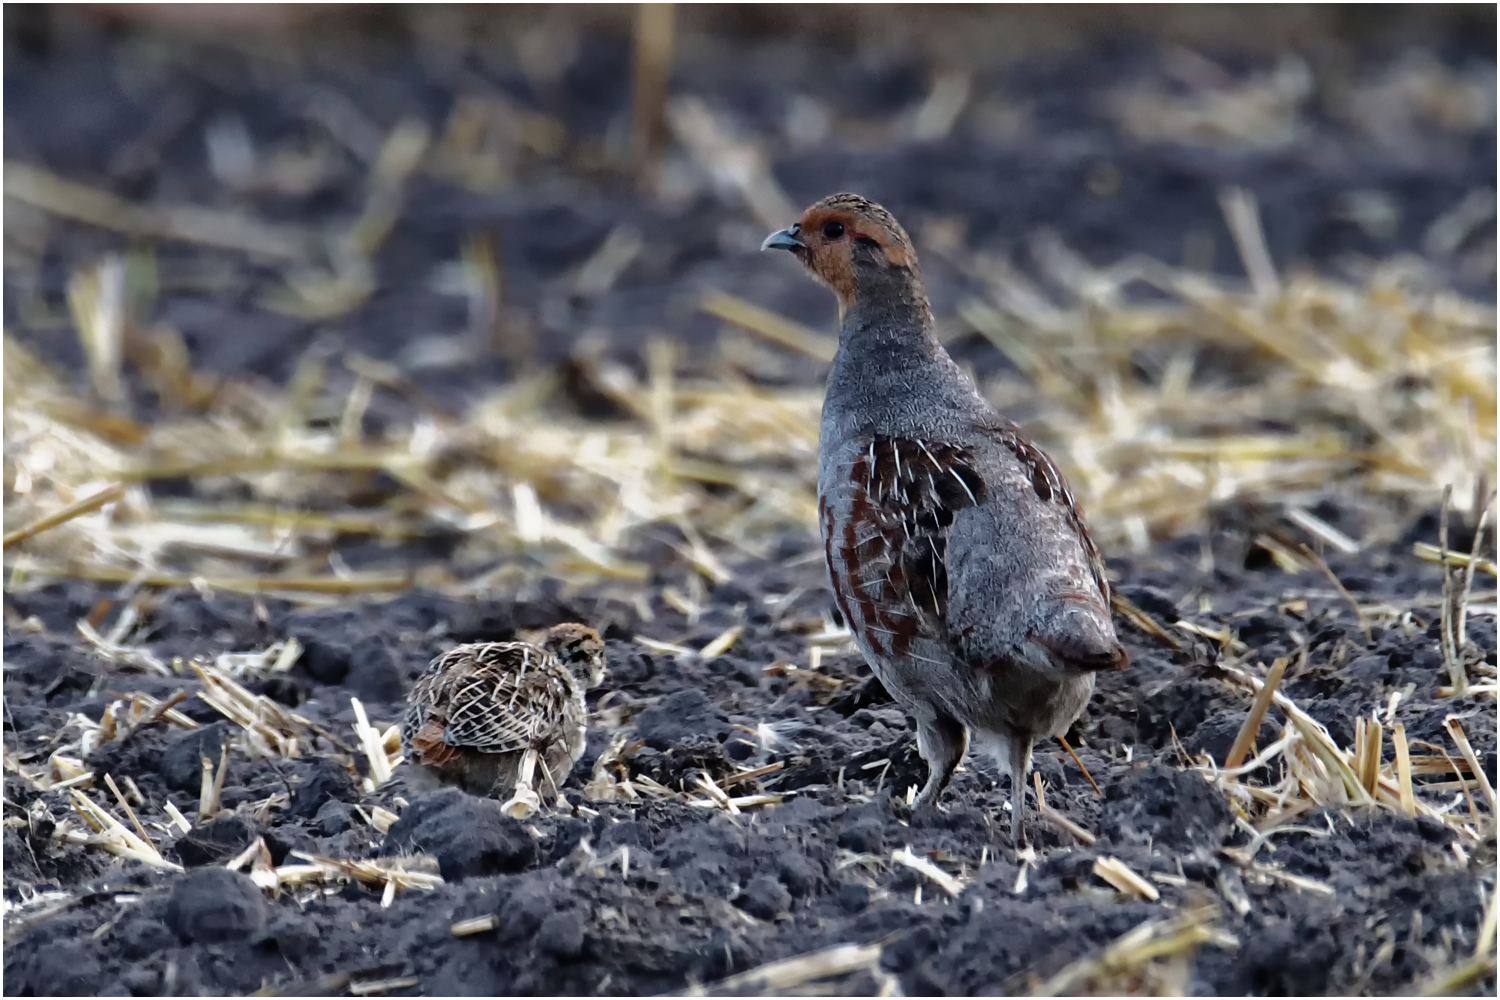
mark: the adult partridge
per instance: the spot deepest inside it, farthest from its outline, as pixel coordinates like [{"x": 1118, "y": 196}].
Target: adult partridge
[
  {"x": 957, "y": 554},
  {"x": 478, "y": 709}
]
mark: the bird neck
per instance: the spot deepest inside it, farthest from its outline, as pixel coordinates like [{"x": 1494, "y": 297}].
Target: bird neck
[
  {"x": 888, "y": 324},
  {"x": 890, "y": 366}
]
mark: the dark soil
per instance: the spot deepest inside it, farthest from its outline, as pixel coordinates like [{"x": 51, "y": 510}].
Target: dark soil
[
  {"x": 700, "y": 895},
  {"x": 708, "y": 895}
]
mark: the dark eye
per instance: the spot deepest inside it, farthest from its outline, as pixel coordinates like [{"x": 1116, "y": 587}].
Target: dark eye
[{"x": 833, "y": 230}]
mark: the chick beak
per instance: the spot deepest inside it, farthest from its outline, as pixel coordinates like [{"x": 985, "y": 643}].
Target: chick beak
[{"x": 783, "y": 239}]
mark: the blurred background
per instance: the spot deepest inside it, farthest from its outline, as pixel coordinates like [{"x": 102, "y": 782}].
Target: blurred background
[{"x": 319, "y": 299}]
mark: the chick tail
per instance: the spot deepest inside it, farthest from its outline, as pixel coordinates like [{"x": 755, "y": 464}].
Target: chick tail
[{"x": 430, "y": 746}]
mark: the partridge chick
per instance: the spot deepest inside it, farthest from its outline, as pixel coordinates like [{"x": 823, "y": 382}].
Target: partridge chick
[
  {"x": 483, "y": 715},
  {"x": 957, "y": 554}
]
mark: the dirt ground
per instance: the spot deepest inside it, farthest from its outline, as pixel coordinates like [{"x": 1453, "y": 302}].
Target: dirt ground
[
  {"x": 704, "y": 894},
  {"x": 646, "y": 883}
]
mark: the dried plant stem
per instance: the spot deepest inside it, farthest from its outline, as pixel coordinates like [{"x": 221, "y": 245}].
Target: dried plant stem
[
  {"x": 661, "y": 363},
  {"x": 474, "y": 925},
  {"x": 1458, "y": 679},
  {"x": 1461, "y": 611},
  {"x": 1403, "y": 769},
  {"x": 1457, "y": 979},
  {"x": 736, "y": 163},
  {"x": 341, "y": 461},
  {"x": 1431, "y": 553},
  {"x": 91, "y": 206},
  {"x": 721, "y": 643},
  {"x": 1258, "y": 708},
  {"x": 952, "y": 886},
  {"x": 1368, "y": 746},
  {"x": 96, "y": 298},
  {"x": 524, "y": 802},
  {"x": 1456, "y": 731},
  {"x": 785, "y": 976},
  {"x": 1464, "y": 784},
  {"x": 114, "y": 836},
  {"x": 261, "y": 717},
  {"x": 772, "y": 326},
  {"x": 371, "y": 583},
  {"x": 1056, "y": 818},
  {"x": 1086, "y": 776},
  {"x": 655, "y": 27},
  {"x": 1485, "y": 942},
  {"x": 1152, "y": 940},
  {"x": 937, "y": 115},
  {"x": 120, "y": 798},
  {"x": 373, "y": 744},
  {"x": 1122, "y": 605},
  {"x": 1314, "y": 734},
  {"x": 717, "y": 794},
  {"x": 1317, "y": 560},
  {"x": 280, "y": 517},
  {"x": 78, "y": 508},
  {"x": 165, "y": 709},
  {"x": 1320, "y": 528},
  {"x": 1124, "y": 878},
  {"x": 372, "y": 987},
  {"x": 213, "y": 785},
  {"x": 1242, "y": 215},
  {"x": 178, "y": 819}
]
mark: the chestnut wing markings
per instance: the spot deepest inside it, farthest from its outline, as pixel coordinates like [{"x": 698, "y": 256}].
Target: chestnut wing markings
[{"x": 887, "y": 542}]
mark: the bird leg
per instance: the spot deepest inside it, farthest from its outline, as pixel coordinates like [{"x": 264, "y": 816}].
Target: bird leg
[
  {"x": 553, "y": 787},
  {"x": 1017, "y": 754},
  {"x": 547, "y": 777},
  {"x": 1012, "y": 752},
  {"x": 942, "y": 743},
  {"x": 525, "y": 801}
]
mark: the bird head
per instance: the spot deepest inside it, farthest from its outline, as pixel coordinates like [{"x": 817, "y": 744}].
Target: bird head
[
  {"x": 852, "y": 245},
  {"x": 580, "y": 648}
]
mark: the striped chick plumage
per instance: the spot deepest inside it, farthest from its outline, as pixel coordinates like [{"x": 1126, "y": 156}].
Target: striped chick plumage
[{"x": 478, "y": 708}]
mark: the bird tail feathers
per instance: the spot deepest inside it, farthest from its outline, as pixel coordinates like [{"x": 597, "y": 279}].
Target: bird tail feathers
[{"x": 1084, "y": 642}]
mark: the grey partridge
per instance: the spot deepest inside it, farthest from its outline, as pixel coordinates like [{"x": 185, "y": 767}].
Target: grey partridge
[
  {"x": 957, "y": 554},
  {"x": 479, "y": 710}
]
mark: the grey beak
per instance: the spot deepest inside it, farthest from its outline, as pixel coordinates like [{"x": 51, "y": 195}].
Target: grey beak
[{"x": 784, "y": 239}]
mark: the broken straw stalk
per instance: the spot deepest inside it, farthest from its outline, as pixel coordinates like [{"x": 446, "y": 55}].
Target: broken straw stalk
[
  {"x": 1094, "y": 413},
  {"x": 1320, "y": 773}
]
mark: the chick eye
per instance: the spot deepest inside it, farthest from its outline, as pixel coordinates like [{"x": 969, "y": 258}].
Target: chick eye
[{"x": 833, "y": 230}]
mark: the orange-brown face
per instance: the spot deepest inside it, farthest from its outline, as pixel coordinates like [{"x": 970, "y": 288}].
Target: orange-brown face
[{"x": 839, "y": 236}]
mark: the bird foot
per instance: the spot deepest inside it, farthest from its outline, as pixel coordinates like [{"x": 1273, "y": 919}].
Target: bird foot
[{"x": 918, "y": 805}]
